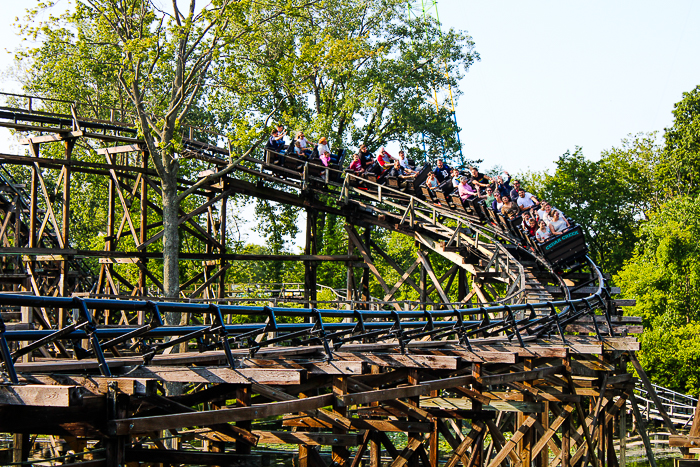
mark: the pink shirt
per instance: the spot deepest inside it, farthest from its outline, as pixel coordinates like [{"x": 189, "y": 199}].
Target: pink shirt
[{"x": 466, "y": 191}]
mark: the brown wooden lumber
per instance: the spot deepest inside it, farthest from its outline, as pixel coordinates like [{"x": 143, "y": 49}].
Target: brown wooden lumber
[
  {"x": 41, "y": 395},
  {"x": 684, "y": 441},
  {"x": 652, "y": 392},
  {"x": 95, "y": 384},
  {"x": 311, "y": 439},
  {"x": 641, "y": 429},
  {"x": 211, "y": 417},
  {"x": 421, "y": 389},
  {"x": 405, "y": 408},
  {"x": 474, "y": 434},
  {"x": 119, "y": 149},
  {"x": 494, "y": 380},
  {"x": 554, "y": 426},
  {"x": 406, "y": 454},
  {"x": 455, "y": 403},
  {"x": 81, "y": 420},
  {"x": 361, "y": 424},
  {"x": 219, "y": 375},
  {"x": 513, "y": 441},
  {"x": 410, "y": 360},
  {"x": 66, "y": 134}
]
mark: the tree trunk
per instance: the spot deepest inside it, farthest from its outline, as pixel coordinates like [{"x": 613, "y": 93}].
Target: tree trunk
[{"x": 171, "y": 240}]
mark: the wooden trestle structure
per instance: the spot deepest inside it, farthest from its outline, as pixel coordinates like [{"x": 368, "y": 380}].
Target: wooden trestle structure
[{"x": 502, "y": 361}]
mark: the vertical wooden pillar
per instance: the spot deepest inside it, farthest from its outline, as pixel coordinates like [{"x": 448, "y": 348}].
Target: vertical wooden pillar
[
  {"x": 543, "y": 458},
  {"x": 623, "y": 436},
  {"x": 478, "y": 448},
  {"x": 375, "y": 450},
  {"x": 423, "y": 286},
  {"x": 117, "y": 408},
  {"x": 413, "y": 379},
  {"x": 20, "y": 447},
  {"x": 434, "y": 439},
  {"x": 311, "y": 248},
  {"x": 65, "y": 232},
  {"x": 461, "y": 284},
  {"x": 33, "y": 213},
  {"x": 351, "y": 290},
  {"x": 340, "y": 454},
  {"x": 365, "y": 271},
  {"x": 566, "y": 442},
  {"x": 243, "y": 396}
]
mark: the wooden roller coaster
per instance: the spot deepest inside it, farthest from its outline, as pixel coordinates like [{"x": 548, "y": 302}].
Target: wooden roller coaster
[{"x": 524, "y": 362}]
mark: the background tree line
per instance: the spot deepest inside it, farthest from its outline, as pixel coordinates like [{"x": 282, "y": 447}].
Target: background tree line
[{"x": 639, "y": 204}]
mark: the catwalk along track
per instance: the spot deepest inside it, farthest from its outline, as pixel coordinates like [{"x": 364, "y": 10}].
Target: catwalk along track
[{"x": 525, "y": 363}]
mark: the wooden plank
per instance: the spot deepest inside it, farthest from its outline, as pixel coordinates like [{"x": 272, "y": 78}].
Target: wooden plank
[
  {"x": 421, "y": 389},
  {"x": 475, "y": 433},
  {"x": 682, "y": 441},
  {"x": 311, "y": 439},
  {"x": 95, "y": 384},
  {"x": 119, "y": 149},
  {"x": 219, "y": 375},
  {"x": 540, "y": 373},
  {"x": 212, "y": 417},
  {"x": 435, "y": 362},
  {"x": 361, "y": 424},
  {"x": 455, "y": 403},
  {"x": 41, "y": 396},
  {"x": 483, "y": 356},
  {"x": 335, "y": 367},
  {"x": 51, "y": 138}
]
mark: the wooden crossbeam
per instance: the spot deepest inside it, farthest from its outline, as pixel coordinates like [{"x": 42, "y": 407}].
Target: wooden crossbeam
[
  {"x": 474, "y": 434},
  {"x": 513, "y": 441},
  {"x": 40, "y": 395},
  {"x": 119, "y": 149},
  {"x": 278, "y": 376},
  {"x": 52, "y": 138}
]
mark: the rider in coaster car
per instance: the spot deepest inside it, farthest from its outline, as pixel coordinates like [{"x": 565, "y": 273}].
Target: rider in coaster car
[{"x": 442, "y": 171}]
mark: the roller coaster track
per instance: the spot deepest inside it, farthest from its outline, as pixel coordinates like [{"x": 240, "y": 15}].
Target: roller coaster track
[{"x": 535, "y": 311}]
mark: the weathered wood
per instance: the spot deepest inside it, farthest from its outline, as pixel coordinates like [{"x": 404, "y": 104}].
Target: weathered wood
[
  {"x": 474, "y": 434},
  {"x": 219, "y": 375},
  {"x": 211, "y": 417},
  {"x": 311, "y": 439},
  {"x": 407, "y": 453},
  {"x": 403, "y": 392},
  {"x": 513, "y": 441},
  {"x": 95, "y": 384},
  {"x": 452, "y": 403},
  {"x": 684, "y": 441},
  {"x": 641, "y": 429},
  {"x": 540, "y": 373},
  {"x": 361, "y": 424},
  {"x": 41, "y": 396},
  {"x": 434, "y": 362}
]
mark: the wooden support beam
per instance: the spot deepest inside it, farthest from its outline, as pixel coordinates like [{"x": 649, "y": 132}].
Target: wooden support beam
[
  {"x": 395, "y": 426},
  {"x": 219, "y": 375},
  {"x": 212, "y": 417},
  {"x": 41, "y": 396},
  {"x": 513, "y": 441},
  {"x": 642, "y": 430},
  {"x": 475, "y": 433},
  {"x": 51, "y": 138}
]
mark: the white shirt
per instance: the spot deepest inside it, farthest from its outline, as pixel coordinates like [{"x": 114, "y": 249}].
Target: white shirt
[
  {"x": 323, "y": 148},
  {"x": 303, "y": 142},
  {"x": 526, "y": 201},
  {"x": 542, "y": 236},
  {"x": 404, "y": 162}
]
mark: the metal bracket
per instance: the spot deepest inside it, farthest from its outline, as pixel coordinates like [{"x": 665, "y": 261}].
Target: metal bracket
[
  {"x": 90, "y": 328},
  {"x": 6, "y": 356}
]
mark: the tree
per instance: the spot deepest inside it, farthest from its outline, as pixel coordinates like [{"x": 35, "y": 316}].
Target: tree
[
  {"x": 680, "y": 169},
  {"x": 663, "y": 276},
  {"x": 607, "y": 197}
]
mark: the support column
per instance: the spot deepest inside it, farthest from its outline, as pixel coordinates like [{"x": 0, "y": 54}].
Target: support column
[
  {"x": 65, "y": 232},
  {"x": 413, "y": 379},
  {"x": 117, "y": 406},
  {"x": 310, "y": 248},
  {"x": 20, "y": 447},
  {"x": 365, "y": 271},
  {"x": 221, "y": 293},
  {"x": 478, "y": 447},
  {"x": 243, "y": 397},
  {"x": 623, "y": 436},
  {"x": 340, "y": 454}
]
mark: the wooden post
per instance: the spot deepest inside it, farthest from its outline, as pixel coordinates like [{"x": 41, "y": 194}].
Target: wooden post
[
  {"x": 20, "y": 447},
  {"x": 65, "y": 232},
  {"x": 543, "y": 459},
  {"x": 117, "y": 407},
  {"x": 434, "y": 439},
  {"x": 243, "y": 398},
  {"x": 310, "y": 266},
  {"x": 221, "y": 293},
  {"x": 623, "y": 437},
  {"x": 414, "y": 379},
  {"x": 478, "y": 448},
  {"x": 340, "y": 454},
  {"x": 566, "y": 442},
  {"x": 365, "y": 271}
]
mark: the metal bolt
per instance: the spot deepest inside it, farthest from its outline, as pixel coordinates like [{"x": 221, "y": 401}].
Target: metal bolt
[{"x": 131, "y": 426}]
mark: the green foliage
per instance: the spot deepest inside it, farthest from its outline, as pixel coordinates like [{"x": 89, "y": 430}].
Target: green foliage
[
  {"x": 607, "y": 197},
  {"x": 680, "y": 169},
  {"x": 664, "y": 274},
  {"x": 671, "y": 357}
]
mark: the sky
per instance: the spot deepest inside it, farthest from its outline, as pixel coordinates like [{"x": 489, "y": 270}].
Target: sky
[{"x": 553, "y": 75}]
